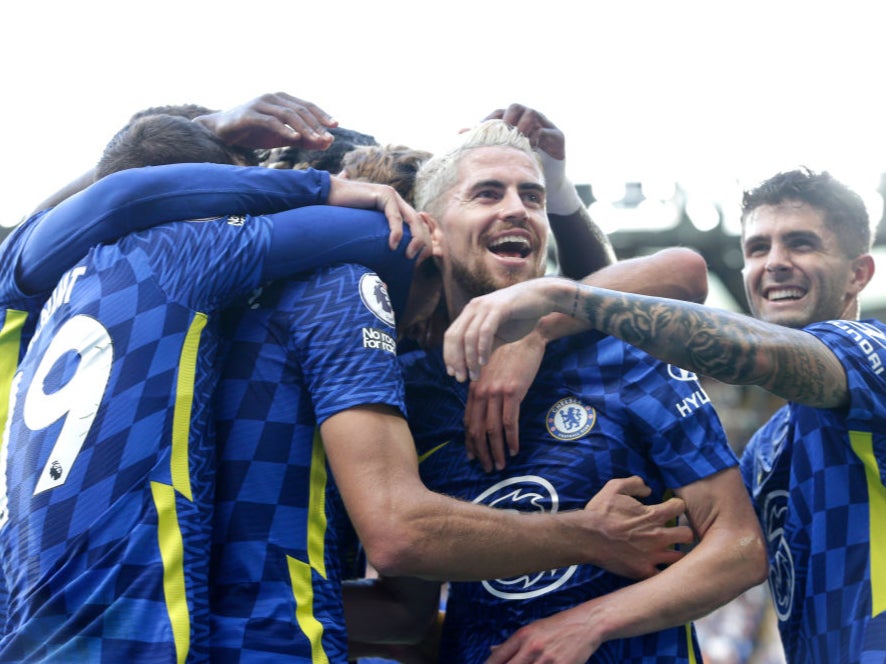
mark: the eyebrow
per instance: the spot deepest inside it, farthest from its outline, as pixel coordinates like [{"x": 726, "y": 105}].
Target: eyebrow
[
  {"x": 789, "y": 237},
  {"x": 498, "y": 184}
]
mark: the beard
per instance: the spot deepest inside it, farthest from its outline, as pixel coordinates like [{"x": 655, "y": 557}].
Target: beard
[{"x": 478, "y": 281}]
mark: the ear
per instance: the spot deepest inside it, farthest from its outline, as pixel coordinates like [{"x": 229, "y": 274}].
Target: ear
[
  {"x": 862, "y": 273},
  {"x": 434, "y": 229}
]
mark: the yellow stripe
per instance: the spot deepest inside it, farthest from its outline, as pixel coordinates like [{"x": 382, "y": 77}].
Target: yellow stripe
[
  {"x": 863, "y": 446},
  {"x": 432, "y": 450},
  {"x": 301, "y": 573},
  {"x": 10, "y": 347},
  {"x": 172, "y": 554},
  {"x": 300, "y": 577},
  {"x": 689, "y": 648},
  {"x": 184, "y": 401},
  {"x": 317, "y": 508}
]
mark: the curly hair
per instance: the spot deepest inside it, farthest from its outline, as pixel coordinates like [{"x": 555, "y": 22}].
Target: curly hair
[
  {"x": 395, "y": 165},
  {"x": 844, "y": 210}
]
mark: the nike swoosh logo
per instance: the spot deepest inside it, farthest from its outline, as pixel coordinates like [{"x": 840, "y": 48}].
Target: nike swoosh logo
[{"x": 433, "y": 450}]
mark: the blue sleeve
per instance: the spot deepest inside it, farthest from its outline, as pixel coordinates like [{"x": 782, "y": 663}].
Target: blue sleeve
[
  {"x": 144, "y": 197},
  {"x": 311, "y": 237}
]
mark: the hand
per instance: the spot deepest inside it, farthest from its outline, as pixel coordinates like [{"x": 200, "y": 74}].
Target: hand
[
  {"x": 637, "y": 537},
  {"x": 367, "y": 195},
  {"x": 270, "y": 121},
  {"x": 563, "y": 638},
  {"x": 493, "y": 406},
  {"x": 505, "y": 315},
  {"x": 540, "y": 131}
]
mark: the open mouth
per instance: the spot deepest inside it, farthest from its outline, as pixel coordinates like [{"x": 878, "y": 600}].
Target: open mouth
[
  {"x": 784, "y": 294},
  {"x": 510, "y": 246}
]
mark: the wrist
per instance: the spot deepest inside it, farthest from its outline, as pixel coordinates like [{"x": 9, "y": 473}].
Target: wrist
[{"x": 561, "y": 197}]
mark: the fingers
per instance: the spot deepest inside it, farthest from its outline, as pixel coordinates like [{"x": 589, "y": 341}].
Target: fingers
[
  {"x": 301, "y": 117},
  {"x": 475, "y": 429},
  {"x": 421, "y": 236},
  {"x": 453, "y": 349},
  {"x": 503, "y": 652},
  {"x": 669, "y": 510},
  {"x": 511, "y": 417},
  {"x": 394, "y": 212},
  {"x": 495, "y": 430},
  {"x": 629, "y": 486}
]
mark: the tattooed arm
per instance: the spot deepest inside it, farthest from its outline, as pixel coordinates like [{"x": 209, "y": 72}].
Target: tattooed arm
[{"x": 732, "y": 348}]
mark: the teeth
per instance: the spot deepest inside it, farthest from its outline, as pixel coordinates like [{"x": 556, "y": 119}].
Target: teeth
[
  {"x": 784, "y": 294},
  {"x": 510, "y": 239}
]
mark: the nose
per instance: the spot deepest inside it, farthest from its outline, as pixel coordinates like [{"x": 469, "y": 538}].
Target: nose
[
  {"x": 512, "y": 205},
  {"x": 777, "y": 259}
]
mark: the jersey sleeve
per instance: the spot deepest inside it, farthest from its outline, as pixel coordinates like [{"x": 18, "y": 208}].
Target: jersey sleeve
[
  {"x": 345, "y": 340},
  {"x": 140, "y": 198},
  {"x": 311, "y": 237},
  {"x": 861, "y": 348}
]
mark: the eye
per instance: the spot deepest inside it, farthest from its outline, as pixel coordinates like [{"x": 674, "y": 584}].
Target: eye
[
  {"x": 534, "y": 199},
  {"x": 756, "y": 249},
  {"x": 803, "y": 244},
  {"x": 491, "y": 194}
]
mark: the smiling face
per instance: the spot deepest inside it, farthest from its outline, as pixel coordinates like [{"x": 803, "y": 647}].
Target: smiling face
[
  {"x": 491, "y": 228},
  {"x": 796, "y": 272}
]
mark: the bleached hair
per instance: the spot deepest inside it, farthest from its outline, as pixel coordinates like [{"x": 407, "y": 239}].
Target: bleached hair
[{"x": 440, "y": 173}]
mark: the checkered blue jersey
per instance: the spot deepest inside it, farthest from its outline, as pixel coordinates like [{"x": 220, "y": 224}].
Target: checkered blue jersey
[
  {"x": 301, "y": 351},
  {"x": 18, "y": 318},
  {"x": 816, "y": 477},
  {"x": 110, "y": 469},
  {"x": 599, "y": 409}
]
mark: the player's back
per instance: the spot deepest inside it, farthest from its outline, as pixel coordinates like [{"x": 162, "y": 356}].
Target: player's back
[
  {"x": 301, "y": 351},
  {"x": 108, "y": 458}
]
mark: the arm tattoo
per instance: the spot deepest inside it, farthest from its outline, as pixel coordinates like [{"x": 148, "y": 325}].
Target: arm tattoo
[{"x": 732, "y": 348}]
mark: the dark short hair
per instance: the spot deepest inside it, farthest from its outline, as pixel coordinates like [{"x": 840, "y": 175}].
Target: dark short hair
[
  {"x": 246, "y": 156},
  {"x": 322, "y": 160},
  {"x": 155, "y": 140},
  {"x": 844, "y": 210}
]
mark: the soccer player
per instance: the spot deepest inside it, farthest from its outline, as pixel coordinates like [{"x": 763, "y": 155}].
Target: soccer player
[
  {"x": 36, "y": 254},
  {"x": 597, "y": 410},
  {"x": 318, "y": 353},
  {"x": 163, "y": 467},
  {"x": 106, "y": 513},
  {"x": 815, "y": 469}
]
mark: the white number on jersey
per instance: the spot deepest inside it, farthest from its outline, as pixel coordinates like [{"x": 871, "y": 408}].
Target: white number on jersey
[{"x": 78, "y": 400}]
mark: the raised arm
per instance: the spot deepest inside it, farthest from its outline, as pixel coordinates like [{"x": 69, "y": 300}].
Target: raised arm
[
  {"x": 139, "y": 198},
  {"x": 271, "y": 120},
  {"x": 733, "y": 348},
  {"x": 493, "y": 408},
  {"x": 582, "y": 247}
]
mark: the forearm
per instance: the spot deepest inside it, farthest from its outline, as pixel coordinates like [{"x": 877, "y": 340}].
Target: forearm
[
  {"x": 446, "y": 539},
  {"x": 720, "y": 567},
  {"x": 582, "y": 247},
  {"x": 676, "y": 273},
  {"x": 730, "y": 347}
]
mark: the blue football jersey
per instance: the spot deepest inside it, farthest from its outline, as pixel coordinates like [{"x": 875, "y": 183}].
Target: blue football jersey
[
  {"x": 300, "y": 351},
  {"x": 18, "y": 318},
  {"x": 109, "y": 460},
  {"x": 816, "y": 477},
  {"x": 598, "y": 409}
]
